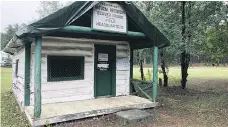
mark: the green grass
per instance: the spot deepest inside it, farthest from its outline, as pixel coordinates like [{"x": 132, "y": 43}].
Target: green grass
[
  {"x": 174, "y": 73},
  {"x": 6, "y": 79},
  {"x": 11, "y": 115}
]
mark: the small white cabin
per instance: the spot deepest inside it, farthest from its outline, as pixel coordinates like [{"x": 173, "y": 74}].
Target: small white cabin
[
  {"x": 75, "y": 69},
  {"x": 81, "y": 52}
]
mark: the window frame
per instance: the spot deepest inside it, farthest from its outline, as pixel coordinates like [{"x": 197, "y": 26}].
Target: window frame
[{"x": 51, "y": 79}]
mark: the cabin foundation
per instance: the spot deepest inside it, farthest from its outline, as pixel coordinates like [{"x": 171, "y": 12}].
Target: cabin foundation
[{"x": 60, "y": 112}]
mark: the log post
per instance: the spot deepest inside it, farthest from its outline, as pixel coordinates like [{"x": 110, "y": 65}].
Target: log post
[
  {"x": 131, "y": 70},
  {"x": 37, "y": 77},
  {"x": 27, "y": 74},
  {"x": 155, "y": 73}
]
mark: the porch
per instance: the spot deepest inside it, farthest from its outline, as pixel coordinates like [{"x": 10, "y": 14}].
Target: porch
[{"x": 60, "y": 112}]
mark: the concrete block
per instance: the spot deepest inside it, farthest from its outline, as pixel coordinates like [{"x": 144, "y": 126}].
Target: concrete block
[{"x": 134, "y": 116}]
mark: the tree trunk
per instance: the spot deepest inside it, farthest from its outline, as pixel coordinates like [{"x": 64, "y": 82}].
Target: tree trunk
[
  {"x": 185, "y": 57},
  {"x": 165, "y": 77},
  {"x": 141, "y": 70}
]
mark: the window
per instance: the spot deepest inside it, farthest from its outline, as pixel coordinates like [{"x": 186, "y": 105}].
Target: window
[
  {"x": 16, "y": 68},
  {"x": 62, "y": 68}
]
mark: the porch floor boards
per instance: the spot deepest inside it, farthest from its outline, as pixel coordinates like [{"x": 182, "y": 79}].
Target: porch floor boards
[{"x": 60, "y": 112}]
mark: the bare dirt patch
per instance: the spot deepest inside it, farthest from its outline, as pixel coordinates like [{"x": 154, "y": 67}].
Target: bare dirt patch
[{"x": 203, "y": 104}]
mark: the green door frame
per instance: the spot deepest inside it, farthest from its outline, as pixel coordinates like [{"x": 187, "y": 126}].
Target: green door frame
[{"x": 113, "y": 71}]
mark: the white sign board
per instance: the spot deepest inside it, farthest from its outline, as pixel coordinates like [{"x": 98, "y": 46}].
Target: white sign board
[
  {"x": 123, "y": 64},
  {"x": 109, "y": 16},
  {"x": 102, "y": 57}
]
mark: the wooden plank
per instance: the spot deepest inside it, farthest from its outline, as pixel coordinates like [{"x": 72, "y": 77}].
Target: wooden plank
[
  {"x": 146, "y": 82},
  {"x": 64, "y": 48},
  {"x": 64, "y": 99},
  {"x": 67, "y": 85},
  {"x": 122, "y": 82},
  {"x": 122, "y": 77},
  {"x": 137, "y": 87},
  {"x": 66, "y": 44},
  {"x": 144, "y": 89},
  {"x": 84, "y": 40},
  {"x": 68, "y": 52},
  {"x": 123, "y": 73},
  {"x": 18, "y": 85},
  {"x": 122, "y": 47},
  {"x": 68, "y": 92},
  {"x": 121, "y": 54}
]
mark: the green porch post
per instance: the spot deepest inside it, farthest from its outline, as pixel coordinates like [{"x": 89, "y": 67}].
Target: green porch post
[
  {"x": 27, "y": 74},
  {"x": 37, "y": 77},
  {"x": 155, "y": 73},
  {"x": 131, "y": 69}
]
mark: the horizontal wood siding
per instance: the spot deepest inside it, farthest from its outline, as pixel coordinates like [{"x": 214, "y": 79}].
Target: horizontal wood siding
[
  {"x": 18, "y": 81},
  {"x": 63, "y": 91}
]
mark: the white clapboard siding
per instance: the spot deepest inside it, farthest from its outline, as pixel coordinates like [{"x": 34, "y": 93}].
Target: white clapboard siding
[
  {"x": 19, "y": 97},
  {"x": 122, "y": 54},
  {"x": 65, "y": 44},
  {"x": 64, "y": 91},
  {"x": 122, "y": 48},
  {"x": 62, "y": 99},
  {"x": 18, "y": 85},
  {"x": 67, "y": 99},
  {"x": 65, "y": 85},
  {"x": 121, "y": 90},
  {"x": 68, "y": 52},
  {"x": 122, "y": 73},
  {"x": 68, "y": 92},
  {"x": 82, "y": 40},
  {"x": 18, "y": 81}
]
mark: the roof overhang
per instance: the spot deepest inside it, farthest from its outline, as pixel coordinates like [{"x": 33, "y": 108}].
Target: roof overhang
[{"x": 59, "y": 23}]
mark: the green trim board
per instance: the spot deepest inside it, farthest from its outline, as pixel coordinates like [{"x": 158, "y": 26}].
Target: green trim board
[
  {"x": 37, "y": 77},
  {"x": 104, "y": 76},
  {"x": 88, "y": 30},
  {"x": 27, "y": 74},
  {"x": 72, "y": 68}
]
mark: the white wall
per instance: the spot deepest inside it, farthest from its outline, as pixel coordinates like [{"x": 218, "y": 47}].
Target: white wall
[
  {"x": 63, "y": 91},
  {"x": 18, "y": 81}
]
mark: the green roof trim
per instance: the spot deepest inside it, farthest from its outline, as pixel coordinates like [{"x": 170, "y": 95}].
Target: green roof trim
[{"x": 67, "y": 15}]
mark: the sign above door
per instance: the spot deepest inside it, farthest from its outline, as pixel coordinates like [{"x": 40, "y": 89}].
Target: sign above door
[{"x": 109, "y": 16}]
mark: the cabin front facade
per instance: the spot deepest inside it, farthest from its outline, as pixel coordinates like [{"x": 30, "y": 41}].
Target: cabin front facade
[
  {"x": 81, "y": 52},
  {"x": 75, "y": 69}
]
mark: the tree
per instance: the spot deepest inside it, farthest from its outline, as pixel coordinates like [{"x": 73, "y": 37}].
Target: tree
[
  {"x": 185, "y": 55},
  {"x": 216, "y": 45},
  {"x": 10, "y": 32},
  {"x": 201, "y": 18},
  {"x": 47, "y": 7}
]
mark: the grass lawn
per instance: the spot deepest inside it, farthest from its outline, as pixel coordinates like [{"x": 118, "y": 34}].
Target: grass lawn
[
  {"x": 11, "y": 115},
  {"x": 204, "y": 103},
  {"x": 174, "y": 73}
]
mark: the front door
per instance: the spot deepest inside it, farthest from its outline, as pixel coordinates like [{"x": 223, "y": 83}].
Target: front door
[{"x": 105, "y": 70}]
